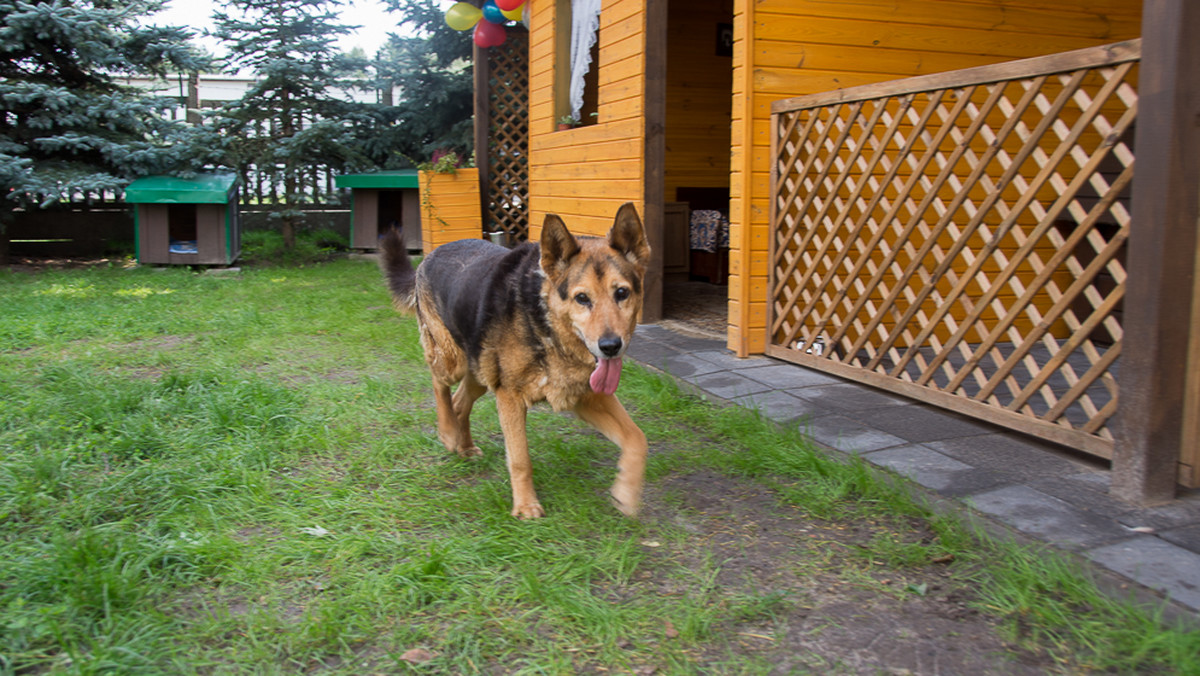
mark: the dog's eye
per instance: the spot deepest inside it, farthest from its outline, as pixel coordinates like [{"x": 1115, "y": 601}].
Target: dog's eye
[
  {"x": 582, "y": 299},
  {"x": 621, "y": 294}
]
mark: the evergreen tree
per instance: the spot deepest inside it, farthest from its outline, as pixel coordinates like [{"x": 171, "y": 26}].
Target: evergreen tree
[
  {"x": 433, "y": 70},
  {"x": 292, "y": 118},
  {"x": 66, "y": 123}
]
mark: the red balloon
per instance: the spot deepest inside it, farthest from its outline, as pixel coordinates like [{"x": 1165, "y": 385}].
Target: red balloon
[
  {"x": 509, "y": 5},
  {"x": 488, "y": 34}
]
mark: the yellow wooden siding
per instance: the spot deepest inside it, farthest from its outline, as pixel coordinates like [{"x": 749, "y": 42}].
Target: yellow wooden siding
[
  {"x": 449, "y": 207},
  {"x": 585, "y": 174},
  {"x": 786, "y": 48}
]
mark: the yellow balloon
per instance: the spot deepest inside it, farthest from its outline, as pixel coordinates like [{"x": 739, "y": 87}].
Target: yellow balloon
[
  {"x": 463, "y": 16},
  {"x": 513, "y": 14}
]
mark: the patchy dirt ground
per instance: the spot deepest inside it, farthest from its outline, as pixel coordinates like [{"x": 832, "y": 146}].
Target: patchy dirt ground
[{"x": 837, "y": 611}]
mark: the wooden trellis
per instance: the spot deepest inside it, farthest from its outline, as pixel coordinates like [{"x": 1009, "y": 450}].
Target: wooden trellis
[
  {"x": 959, "y": 238},
  {"x": 504, "y": 175}
]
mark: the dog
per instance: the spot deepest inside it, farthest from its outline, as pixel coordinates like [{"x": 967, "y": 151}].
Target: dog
[{"x": 542, "y": 322}]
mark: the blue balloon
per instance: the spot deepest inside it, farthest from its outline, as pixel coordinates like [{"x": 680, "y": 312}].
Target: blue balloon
[{"x": 492, "y": 12}]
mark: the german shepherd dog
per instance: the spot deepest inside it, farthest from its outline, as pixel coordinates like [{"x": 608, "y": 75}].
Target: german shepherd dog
[{"x": 542, "y": 322}]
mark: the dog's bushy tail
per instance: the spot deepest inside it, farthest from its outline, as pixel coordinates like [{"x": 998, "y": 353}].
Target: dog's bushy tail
[{"x": 398, "y": 270}]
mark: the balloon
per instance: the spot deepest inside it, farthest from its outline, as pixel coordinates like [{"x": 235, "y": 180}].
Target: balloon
[
  {"x": 492, "y": 13},
  {"x": 509, "y": 5},
  {"x": 462, "y": 16},
  {"x": 513, "y": 14},
  {"x": 488, "y": 34}
]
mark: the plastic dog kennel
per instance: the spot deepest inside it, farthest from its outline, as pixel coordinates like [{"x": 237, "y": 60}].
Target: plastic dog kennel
[
  {"x": 382, "y": 200},
  {"x": 186, "y": 221}
]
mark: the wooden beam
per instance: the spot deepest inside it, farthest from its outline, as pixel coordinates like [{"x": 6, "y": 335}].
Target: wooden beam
[
  {"x": 483, "y": 118},
  {"x": 1162, "y": 256},
  {"x": 654, "y": 153},
  {"x": 741, "y": 194},
  {"x": 1111, "y": 54}
]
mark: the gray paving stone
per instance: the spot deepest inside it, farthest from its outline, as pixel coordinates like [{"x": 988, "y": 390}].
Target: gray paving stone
[
  {"x": 1098, "y": 480},
  {"x": 681, "y": 343},
  {"x": 688, "y": 366},
  {"x": 1082, "y": 495},
  {"x": 935, "y": 471},
  {"x": 727, "y": 385},
  {"x": 918, "y": 424},
  {"x": 655, "y": 332},
  {"x": 789, "y": 377},
  {"x": 1048, "y": 518},
  {"x": 731, "y": 362},
  {"x": 1173, "y": 515},
  {"x": 1010, "y": 455},
  {"x": 650, "y": 352},
  {"x": 850, "y": 399},
  {"x": 851, "y": 436},
  {"x": 780, "y": 406},
  {"x": 1187, "y": 537},
  {"x": 1156, "y": 564}
]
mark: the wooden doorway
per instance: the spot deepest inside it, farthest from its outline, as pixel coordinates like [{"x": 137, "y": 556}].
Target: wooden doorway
[{"x": 697, "y": 93}]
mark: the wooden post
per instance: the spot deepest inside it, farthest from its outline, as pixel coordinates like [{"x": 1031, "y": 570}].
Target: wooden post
[
  {"x": 1162, "y": 257},
  {"x": 192, "y": 106},
  {"x": 483, "y": 122},
  {"x": 655, "y": 149}
]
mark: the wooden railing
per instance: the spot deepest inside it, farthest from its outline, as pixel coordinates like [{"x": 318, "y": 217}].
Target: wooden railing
[{"x": 959, "y": 238}]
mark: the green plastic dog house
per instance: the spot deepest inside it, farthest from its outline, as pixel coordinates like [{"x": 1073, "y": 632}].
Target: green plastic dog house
[{"x": 186, "y": 221}]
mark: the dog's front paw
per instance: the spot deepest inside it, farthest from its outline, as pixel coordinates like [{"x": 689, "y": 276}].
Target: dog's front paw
[
  {"x": 627, "y": 500},
  {"x": 469, "y": 452},
  {"x": 528, "y": 510}
]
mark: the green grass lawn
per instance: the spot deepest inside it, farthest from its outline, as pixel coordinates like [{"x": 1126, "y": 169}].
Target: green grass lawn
[{"x": 239, "y": 474}]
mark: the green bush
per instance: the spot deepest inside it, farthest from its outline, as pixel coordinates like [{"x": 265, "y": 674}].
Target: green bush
[{"x": 265, "y": 247}]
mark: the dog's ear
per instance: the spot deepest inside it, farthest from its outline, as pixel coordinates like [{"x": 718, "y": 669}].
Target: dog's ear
[
  {"x": 629, "y": 237},
  {"x": 558, "y": 245}
]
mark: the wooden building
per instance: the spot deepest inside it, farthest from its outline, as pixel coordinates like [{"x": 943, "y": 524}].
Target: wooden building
[
  {"x": 192, "y": 221},
  {"x": 762, "y": 108},
  {"x": 683, "y": 91}
]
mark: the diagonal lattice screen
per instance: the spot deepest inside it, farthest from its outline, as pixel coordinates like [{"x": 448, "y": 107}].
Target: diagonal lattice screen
[
  {"x": 960, "y": 238},
  {"x": 508, "y": 137}
]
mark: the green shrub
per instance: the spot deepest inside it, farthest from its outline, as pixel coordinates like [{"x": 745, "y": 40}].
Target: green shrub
[{"x": 265, "y": 247}]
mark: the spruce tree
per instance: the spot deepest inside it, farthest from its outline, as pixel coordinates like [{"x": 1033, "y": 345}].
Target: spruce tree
[
  {"x": 432, "y": 67},
  {"x": 67, "y": 124},
  {"x": 295, "y": 115}
]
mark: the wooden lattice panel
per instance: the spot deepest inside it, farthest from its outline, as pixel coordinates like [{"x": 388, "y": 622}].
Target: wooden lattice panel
[
  {"x": 960, "y": 238},
  {"x": 508, "y": 137}
]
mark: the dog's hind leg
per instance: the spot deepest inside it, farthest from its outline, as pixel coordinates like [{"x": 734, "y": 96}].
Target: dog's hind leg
[
  {"x": 512, "y": 411},
  {"x": 447, "y": 421},
  {"x": 453, "y": 413},
  {"x": 606, "y": 414},
  {"x": 463, "y": 400},
  {"x": 448, "y": 365}
]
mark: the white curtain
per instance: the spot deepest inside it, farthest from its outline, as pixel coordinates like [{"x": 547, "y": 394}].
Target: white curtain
[{"x": 585, "y": 28}]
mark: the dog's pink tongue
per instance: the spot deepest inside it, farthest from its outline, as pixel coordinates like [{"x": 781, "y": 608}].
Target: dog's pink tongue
[{"x": 607, "y": 376}]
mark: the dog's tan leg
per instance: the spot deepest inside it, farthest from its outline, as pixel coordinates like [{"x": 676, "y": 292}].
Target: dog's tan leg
[
  {"x": 463, "y": 400},
  {"x": 606, "y": 414},
  {"x": 512, "y": 411},
  {"x": 447, "y": 421}
]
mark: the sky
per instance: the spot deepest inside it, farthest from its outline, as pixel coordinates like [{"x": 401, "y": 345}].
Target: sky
[{"x": 373, "y": 20}]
